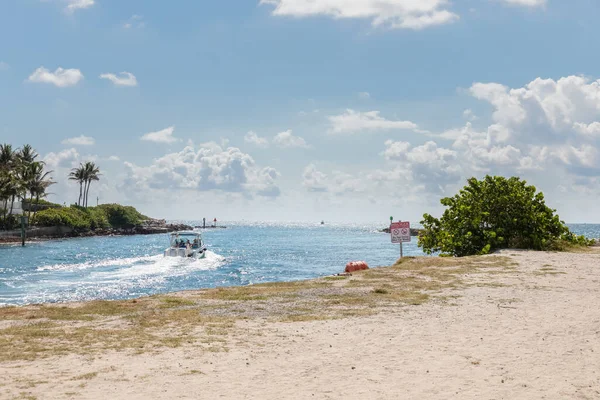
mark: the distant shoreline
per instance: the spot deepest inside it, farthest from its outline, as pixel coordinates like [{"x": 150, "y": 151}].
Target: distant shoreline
[{"x": 40, "y": 234}]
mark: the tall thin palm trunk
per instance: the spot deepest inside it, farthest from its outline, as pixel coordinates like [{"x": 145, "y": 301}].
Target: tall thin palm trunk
[
  {"x": 85, "y": 189},
  {"x": 37, "y": 200},
  {"x": 87, "y": 193},
  {"x": 12, "y": 204}
]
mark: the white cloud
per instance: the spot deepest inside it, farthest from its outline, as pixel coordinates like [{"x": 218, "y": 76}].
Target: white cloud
[
  {"x": 585, "y": 156},
  {"x": 353, "y": 122},
  {"x": 428, "y": 165},
  {"x": 61, "y": 77},
  {"x": 546, "y": 125},
  {"x": 336, "y": 183},
  {"x": 547, "y": 129},
  {"x": 114, "y": 158},
  {"x": 253, "y": 138},
  {"x": 314, "y": 180},
  {"x": 469, "y": 115},
  {"x": 136, "y": 21},
  {"x": 164, "y": 136},
  {"x": 364, "y": 95},
  {"x": 123, "y": 79},
  {"x": 288, "y": 140},
  {"x": 550, "y": 106},
  {"x": 408, "y": 14},
  {"x": 208, "y": 168},
  {"x": 74, "y": 5},
  {"x": 65, "y": 159},
  {"x": 592, "y": 129},
  {"x": 80, "y": 141},
  {"x": 526, "y": 3},
  {"x": 4, "y": 66}
]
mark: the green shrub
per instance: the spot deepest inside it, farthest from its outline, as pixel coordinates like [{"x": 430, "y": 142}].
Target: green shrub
[
  {"x": 71, "y": 217},
  {"x": 491, "y": 214},
  {"x": 91, "y": 218},
  {"x": 43, "y": 202},
  {"x": 9, "y": 222},
  {"x": 119, "y": 216}
]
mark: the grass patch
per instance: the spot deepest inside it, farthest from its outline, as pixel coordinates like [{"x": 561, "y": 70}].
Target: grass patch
[
  {"x": 172, "y": 302},
  {"x": 205, "y": 319},
  {"x": 381, "y": 291},
  {"x": 85, "y": 377},
  {"x": 336, "y": 278}
]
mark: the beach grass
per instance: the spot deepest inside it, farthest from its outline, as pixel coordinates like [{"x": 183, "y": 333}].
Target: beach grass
[{"x": 204, "y": 319}]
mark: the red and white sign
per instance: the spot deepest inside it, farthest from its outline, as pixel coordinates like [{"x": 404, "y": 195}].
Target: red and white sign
[{"x": 400, "y": 232}]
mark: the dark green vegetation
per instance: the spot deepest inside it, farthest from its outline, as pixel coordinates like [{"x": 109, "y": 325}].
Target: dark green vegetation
[
  {"x": 496, "y": 213},
  {"x": 85, "y": 174},
  {"x": 83, "y": 219},
  {"x": 22, "y": 177}
]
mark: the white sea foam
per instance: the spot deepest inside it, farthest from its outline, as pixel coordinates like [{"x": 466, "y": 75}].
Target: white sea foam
[
  {"x": 135, "y": 266},
  {"x": 160, "y": 266}
]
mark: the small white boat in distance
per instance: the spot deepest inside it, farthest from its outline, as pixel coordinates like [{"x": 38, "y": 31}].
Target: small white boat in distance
[{"x": 187, "y": 245}]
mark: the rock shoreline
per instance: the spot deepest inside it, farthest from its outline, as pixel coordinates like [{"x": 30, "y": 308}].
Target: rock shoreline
[{"x": 148, "y": 227}]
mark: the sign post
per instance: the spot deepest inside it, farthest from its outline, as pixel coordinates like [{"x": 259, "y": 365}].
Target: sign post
[
  {"x": 24, "y": 221},
  {"x": 400, "y": 232}
]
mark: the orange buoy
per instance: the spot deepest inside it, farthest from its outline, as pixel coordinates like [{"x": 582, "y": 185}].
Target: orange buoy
[{"x": 356, "y": 266}]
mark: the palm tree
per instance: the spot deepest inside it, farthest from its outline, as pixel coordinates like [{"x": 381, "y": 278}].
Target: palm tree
[
  {"x": 78, "y": 174},
  {"x": 5, "y": 192},
  {"x": 9, "y": 183},
  {"x": 92, "y": 173},
  {"x": 27, "y": 154},
  {"x": 37, "y": 183},
  {"x": 7, "y": 157},
  {"x": 20, "y": 176}
]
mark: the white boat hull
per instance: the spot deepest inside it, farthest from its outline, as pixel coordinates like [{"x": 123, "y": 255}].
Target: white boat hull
[{"x": 185, "y": 253}]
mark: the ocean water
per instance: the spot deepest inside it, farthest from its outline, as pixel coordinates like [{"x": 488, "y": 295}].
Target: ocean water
[{"x": 134, "y": 266}]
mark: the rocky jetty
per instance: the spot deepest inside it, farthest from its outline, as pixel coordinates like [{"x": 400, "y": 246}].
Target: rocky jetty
[{"x": 154, "y": 226}]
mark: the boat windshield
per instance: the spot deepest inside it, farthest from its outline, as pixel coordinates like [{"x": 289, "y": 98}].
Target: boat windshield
[{"x": 180, "y": 240}]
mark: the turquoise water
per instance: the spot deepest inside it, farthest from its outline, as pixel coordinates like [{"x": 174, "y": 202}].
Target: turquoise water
[
  {"x": 133, "y": 266},
  {"x": 128, "y": 267}
]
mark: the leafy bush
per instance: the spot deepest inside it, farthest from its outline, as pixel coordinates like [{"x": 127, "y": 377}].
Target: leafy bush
[
  {"x": 9, "y": 222},
  {"x": 495, "y": 213},
  {"x": 43, "y": 202},
  {"x": 71, "y": 217},
  {"x": 91, "y": 218},
  {"x": 121, "y": 216},
  {"x": 78, "y": 218}
]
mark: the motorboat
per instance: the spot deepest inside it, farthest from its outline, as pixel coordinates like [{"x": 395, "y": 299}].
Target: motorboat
[{"x": 186, "y": 245}]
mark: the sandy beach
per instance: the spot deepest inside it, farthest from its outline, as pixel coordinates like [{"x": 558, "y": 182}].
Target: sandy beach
[{"x": 516, "y": 325}]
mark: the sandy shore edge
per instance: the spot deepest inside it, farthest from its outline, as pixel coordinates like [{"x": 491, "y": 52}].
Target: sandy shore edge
[{"x": 528, "y": 327}]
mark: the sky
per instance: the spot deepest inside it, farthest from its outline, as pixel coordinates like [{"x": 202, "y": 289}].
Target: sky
[{"x": 305, "y": 110}]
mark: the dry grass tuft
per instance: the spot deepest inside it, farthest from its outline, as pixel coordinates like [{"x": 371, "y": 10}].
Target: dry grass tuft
[{"x": 204, "y": 319}]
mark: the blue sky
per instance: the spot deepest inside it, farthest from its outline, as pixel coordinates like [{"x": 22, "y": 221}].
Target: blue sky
[{"x": 359, "y": 109}]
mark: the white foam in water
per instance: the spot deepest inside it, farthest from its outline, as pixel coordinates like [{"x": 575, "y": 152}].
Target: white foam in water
[
  {"x": 111, "y": 262},
  {"x": 162, "y": 266},
  {"x": 135, "y": 273},
  {"x": 136, "y": 267}
]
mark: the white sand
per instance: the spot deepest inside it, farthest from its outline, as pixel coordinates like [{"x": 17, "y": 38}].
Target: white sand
[{"x": 538, "y": 338}]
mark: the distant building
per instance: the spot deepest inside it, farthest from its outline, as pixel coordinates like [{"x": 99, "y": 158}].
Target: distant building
[{"x": 17, "y": 207}]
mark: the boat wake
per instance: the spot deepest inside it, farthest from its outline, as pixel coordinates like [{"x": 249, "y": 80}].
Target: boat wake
[
  {"x": 139, "y": 265},
  {"x": 108, "y": 279}
]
